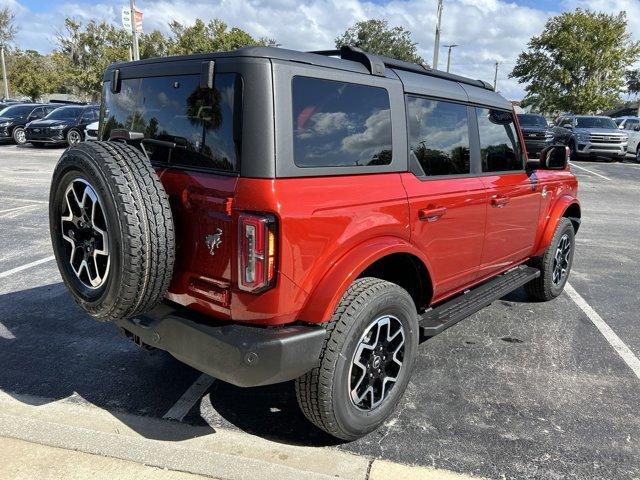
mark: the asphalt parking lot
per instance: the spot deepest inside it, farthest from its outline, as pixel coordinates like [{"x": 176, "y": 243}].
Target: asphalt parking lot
[{"x": 519, "y": 390}]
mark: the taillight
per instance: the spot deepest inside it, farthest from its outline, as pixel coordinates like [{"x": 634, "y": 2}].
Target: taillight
[{"x": 256, "y": 252}]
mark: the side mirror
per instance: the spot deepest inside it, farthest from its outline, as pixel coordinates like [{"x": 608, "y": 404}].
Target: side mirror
[
  {"x": 568, "y": 126},
  {"x": 621, "y": 127},
  {"x": 554, "y": 157}
]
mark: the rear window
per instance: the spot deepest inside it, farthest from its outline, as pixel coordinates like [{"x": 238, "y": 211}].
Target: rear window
[
  {"x": 192, "y": 127},
  {"x": 339, "y": 124}
]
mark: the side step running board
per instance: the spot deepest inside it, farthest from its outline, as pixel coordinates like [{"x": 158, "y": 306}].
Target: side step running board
[{"x": 439, "y": 318}]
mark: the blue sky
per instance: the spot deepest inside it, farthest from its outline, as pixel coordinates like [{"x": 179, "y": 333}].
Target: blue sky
[{"x": 486, "y": 30}]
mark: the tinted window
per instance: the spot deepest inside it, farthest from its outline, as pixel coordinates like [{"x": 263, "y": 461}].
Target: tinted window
[
  {"x": 194, "y": 125},
  {"x": 65, "y": 113},
  {"x": 527, "y": 120},
  {"x": 439, "y": 136},
  {"x": 629, "y": 124},
  {"x": 17, "y": 111},
  {"x": 595, "y": 122},
  {"x": 499, "y": 144},
  {"x": 338, "y": 124}
]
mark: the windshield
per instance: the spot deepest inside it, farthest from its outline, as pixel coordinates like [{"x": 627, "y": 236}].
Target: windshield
[
  {"x": 532, "y": 120},
  {"x": 16, "y": 111},
  {"x": 64, "y": 113},
  {"x": 595, "y": 122}
]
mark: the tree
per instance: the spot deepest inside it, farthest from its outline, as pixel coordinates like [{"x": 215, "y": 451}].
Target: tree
[
  {"x": 210, "y": 37},
  {"x": 577, "y": 64},
  {"x": 86, "y": 51},
  {"x": 375, "y": 36},
  {"x": 33, "y": 74},
  {"x": 633, "y": 82},
  {"x": 8, "y": 30},
  {"x": 154, "y": 44}
]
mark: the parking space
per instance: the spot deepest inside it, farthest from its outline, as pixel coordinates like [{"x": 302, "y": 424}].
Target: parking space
[{"x": 519, "y": 390}]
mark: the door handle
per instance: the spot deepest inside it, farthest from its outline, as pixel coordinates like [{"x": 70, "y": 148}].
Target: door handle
[
  {"x": 498, "y": 201},
  {"x": 431, "y": 214}
]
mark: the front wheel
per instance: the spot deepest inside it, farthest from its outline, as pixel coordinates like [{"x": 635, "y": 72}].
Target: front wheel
[
  {"x": 638, "y": 154},
  {"x": 366, "y": 361},
  {"x": 554, "y": 265},
  {"x": 19, "y": 136},
  {"x": 74, "y": 137}
]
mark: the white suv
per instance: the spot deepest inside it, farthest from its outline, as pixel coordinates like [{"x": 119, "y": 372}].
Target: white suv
[{"x": 631, "y": 125}]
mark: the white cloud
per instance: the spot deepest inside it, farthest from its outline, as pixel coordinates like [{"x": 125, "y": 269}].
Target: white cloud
[{"x": 487, "y": 30}]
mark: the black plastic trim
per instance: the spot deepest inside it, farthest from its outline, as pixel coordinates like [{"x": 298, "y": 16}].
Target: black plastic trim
[{"x": 242, "y": 355}]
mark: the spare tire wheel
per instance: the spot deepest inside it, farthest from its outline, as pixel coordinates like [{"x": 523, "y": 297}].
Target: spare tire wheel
[{"x": 112, "y": 229}]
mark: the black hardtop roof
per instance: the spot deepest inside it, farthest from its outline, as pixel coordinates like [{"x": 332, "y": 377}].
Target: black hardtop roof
[{"x": 351, "y": 60}]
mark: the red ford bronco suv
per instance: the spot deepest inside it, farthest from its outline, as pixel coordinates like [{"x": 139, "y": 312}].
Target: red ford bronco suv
[{"x": 267, "y": 215}]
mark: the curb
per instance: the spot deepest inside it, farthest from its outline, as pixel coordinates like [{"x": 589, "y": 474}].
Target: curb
[{"x": 220, "y": 453}]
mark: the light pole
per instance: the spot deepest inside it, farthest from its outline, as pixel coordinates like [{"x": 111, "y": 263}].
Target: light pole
[
  {"x": 495, "y": 77},
  {"x": 436, "y": 46},
  {"x": 136, "y": 49},
  {"x": 4, "y": 73},
  {"x": 449, "y": 55}
]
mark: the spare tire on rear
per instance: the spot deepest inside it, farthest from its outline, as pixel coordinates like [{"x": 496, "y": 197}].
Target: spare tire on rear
[{"x": 112, "y": 229}]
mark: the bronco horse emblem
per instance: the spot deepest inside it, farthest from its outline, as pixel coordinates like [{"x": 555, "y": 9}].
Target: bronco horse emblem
[{"x": 214, "y": 241}]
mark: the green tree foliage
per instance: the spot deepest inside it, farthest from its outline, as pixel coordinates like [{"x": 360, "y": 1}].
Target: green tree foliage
[
  {"x": 375, "y": 36},
  {"x": 633, "y": 81},
  {"x": 154, "y": 44},
  {"x": 86, "y": 50},
  {"x": 8, "y": 28},
  {"x": 210, "y": 37},
  {"x": 577, "y": 64},
  {"x": 33, "y": 74}
]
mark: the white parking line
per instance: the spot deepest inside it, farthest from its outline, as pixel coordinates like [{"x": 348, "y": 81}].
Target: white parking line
[
  {"x": 25, "y": 267},
  {"x": 16, "y": 209},
  {"x": 618, "y": 345},
  {"x": 6, "y": 333},
  {"x": 189, "y": 398},
  {"x": 24, "y": 200},
  {"x": 590, "y": 171}
]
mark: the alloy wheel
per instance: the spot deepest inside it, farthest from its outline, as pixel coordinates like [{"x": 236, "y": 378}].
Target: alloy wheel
[
  {"x": 21, "y": 137},
  {"x": 377, "y": 362},
  {"x": 74, "y": 137},
  {"x": 561, "y": 260},
  {"x": 84, "y": 228}
]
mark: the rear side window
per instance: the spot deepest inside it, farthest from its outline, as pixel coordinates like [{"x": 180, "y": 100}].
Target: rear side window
[
  {"x": 191, "y": 126},
  {"x": 499, "y": 143},
  {"x": 339, "y": 124},
  {"x": 630, "y": 124},
  {"x": 439, "y": 136}
]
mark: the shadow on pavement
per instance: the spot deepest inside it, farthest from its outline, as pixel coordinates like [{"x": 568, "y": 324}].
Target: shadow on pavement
[{"x": 51, "y": 350}]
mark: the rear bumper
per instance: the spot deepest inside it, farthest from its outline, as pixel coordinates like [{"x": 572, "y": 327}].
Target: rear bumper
[{"x": 243, "y": 355}]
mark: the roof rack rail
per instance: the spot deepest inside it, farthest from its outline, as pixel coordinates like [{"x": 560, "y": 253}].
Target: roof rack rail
[{"x": 377, "y": 63}]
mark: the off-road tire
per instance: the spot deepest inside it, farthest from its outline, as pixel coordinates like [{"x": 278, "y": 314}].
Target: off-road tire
[
  {"x": 323, "y": 393},
  {"x": 574, "y": 150},
  {"x": 139, "y": 224},
  {"x": 16, "y": 136},
  {"x": 543, "y": 288},
  {"x": 638, "y": 154}
]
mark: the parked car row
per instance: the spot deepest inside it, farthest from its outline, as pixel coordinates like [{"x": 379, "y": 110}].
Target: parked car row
[
  {"x": 587, "y": 136},
  {"x": 50, "y": 123}
]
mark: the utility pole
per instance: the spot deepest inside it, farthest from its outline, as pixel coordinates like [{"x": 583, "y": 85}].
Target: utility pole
[
  {"x": 136, "y": 48},
  {"x": 449, "y": 55},
  {"x": 436, "y": 46},
  {"x": 495, "y": 77},
  {"x": 4, "y": 73}
]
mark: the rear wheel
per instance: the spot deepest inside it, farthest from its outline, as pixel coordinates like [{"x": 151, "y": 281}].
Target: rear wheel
[
  {"x": 554, "y": 265},
  {"x": 111, "y": 229},
  {"x": 366, "y": 362},
  {"x": 19, "y": 136},
  {"x": 638, "y": 154}
]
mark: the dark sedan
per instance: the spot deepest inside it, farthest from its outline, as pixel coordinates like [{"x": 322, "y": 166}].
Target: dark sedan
[
  {"x": 65, "y": 125},
  {"x": 536, "y": 131},
  {"x": 13, "y": 119}
]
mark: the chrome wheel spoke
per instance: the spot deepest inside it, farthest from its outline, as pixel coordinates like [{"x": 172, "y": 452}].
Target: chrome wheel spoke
[
  {"x": 84, "y": 227},
  {"x": 376, "y": 362}
]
